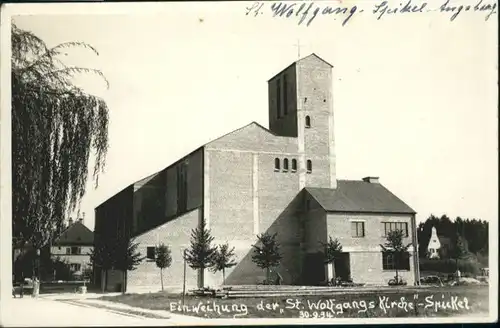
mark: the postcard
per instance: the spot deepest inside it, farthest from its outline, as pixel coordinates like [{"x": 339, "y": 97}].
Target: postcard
[{"x": 266, "y": 162}]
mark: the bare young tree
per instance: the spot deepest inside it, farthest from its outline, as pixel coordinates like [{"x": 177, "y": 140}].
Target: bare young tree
[
  {"x": 223, "y": 259},
  {"x": 163, "y": 259}
]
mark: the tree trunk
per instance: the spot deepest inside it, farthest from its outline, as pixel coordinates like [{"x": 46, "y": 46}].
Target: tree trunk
[
  {"x": 101, "y": 272},
  {"x": 106, "y": 279},
  {"x": 161, "y": 277},
  {"x": 396, "y": 263},
  {"x": 123, "y": 281},
  {"x": 201, "y": 278},
  {"x": 104, "y": 283},
  {"x": 33, "y": 265},
  {"x": 223, "y": 276},
  {"x": 267, "y": 276},
  {"x": 39, "y": 266}
]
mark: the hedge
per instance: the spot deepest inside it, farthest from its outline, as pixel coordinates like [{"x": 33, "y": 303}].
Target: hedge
[{"x": 470, "y": 266}]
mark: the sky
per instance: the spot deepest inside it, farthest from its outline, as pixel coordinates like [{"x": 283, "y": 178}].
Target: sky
[{"x": 414, "y": 95}]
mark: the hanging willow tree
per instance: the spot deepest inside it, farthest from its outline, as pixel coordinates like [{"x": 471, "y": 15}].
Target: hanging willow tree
[{"x": 55, "y": 126}]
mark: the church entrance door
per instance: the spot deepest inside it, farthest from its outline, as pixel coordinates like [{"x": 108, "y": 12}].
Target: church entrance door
[
  {"x": 314, "y": 269},
  {"x": 343, "y": 266}
]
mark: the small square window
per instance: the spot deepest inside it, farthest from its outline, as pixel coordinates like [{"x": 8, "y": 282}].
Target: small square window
[
  {"x": 358, "y": 229},
  {"x": 151, "y": 253}
]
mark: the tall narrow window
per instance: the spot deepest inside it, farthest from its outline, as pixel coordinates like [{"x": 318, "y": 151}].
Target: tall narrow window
[
  {"x": 285, "y": 96},
  {"x": 182, "y": 187},
  {"x": 308, "y": 122},
  {"x": 294, "y": 165},
  {"x": 276, "y": 164},
  {"x": 285, "y": 165},
  {"x": 309, "y": 166},
  {"x": 278, "y": 98}
]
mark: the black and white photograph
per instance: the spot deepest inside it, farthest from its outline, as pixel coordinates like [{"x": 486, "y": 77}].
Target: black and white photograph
[{"x": 262, "y": 162}]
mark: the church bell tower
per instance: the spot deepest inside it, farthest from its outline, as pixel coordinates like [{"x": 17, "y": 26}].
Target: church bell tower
[{"x": 301, "y": 106}]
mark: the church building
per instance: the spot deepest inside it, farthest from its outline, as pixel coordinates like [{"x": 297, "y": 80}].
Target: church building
[{"x": 254, "y": 180}]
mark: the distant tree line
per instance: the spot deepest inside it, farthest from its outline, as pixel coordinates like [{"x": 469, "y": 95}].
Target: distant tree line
[
  {"x": 464, "y": 245},
  {"x": 473, "y": 231}
]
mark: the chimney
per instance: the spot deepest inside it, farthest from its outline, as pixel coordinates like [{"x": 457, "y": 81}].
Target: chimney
[
  {"x": 70, "y": 221},
  {"x": 371, "y": 179}
]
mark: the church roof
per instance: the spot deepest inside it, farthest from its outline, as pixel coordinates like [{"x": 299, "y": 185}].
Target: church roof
[
  {"x": 145, "y": 180},
  {"x": 315, "y": 55},
  {"x": 76, "y": 234},
  {"x": 359, "y": 196},
  {"x": 299, "y": 60}
]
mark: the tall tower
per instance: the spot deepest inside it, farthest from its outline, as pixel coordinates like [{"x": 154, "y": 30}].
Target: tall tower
[{"x": 301, "y": 106}]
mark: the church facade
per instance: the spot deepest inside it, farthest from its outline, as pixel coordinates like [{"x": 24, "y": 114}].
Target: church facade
[{"x": 254, "y": 180}]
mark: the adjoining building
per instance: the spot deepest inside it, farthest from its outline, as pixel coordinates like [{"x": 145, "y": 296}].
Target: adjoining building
[
  {"x": 73, "y": 246},
  {"x": 255, "y": 180}
]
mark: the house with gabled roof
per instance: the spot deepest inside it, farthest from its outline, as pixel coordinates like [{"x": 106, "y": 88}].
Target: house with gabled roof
[
  {"x": 73, "y": 246},
  {"x": 255, "y": 180}
]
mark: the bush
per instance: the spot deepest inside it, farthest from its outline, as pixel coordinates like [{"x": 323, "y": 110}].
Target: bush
[
  {"x": 446, "y": 266},
  {"x": 483, "y": 260}
]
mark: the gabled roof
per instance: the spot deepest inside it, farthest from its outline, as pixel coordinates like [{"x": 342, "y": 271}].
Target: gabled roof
[
  {"x": 139, "y": 183},
  {"x": 76, "y": 234},
  {"x": 299, "y": 60},
  {"x": 359, "y": 196},
  {"x": 314, "y": 55},
  {"x": 253, "y": 123},
  {"x": 145, "y": 180}
]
